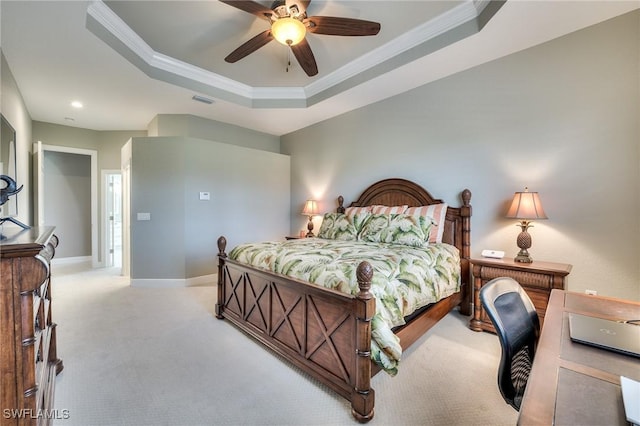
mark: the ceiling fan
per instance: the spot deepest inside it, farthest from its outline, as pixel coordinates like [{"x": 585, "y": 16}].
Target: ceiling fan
[{"x": 289, "y": 25}]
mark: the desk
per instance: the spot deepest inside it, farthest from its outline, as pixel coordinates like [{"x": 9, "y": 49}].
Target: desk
[{"x": 572, "y": 383}]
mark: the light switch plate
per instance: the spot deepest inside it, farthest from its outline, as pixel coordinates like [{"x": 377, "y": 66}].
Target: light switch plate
[
  {"x": 144, "y": 216},
  {"x": 205, "y": 195}
]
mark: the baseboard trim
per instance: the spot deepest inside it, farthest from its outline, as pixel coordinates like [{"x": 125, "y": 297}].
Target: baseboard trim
[
  {"x": 204, "y": 280},
  {"x": 70, "y": 260}
]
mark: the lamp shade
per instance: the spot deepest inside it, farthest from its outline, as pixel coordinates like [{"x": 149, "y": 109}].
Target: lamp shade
[
  {"x": 288, "y": 31},
  {"x": 526, "y": 206},
  {"x": 310, "y": 208}
]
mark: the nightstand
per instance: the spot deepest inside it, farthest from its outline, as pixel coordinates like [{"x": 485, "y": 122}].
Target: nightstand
[
  {"x": 537, "y": 279},
  {"x": 292, "y": 237}
]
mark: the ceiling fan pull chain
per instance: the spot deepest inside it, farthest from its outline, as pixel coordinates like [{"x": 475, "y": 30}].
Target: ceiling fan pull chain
[{"x": 288, "y": 59}]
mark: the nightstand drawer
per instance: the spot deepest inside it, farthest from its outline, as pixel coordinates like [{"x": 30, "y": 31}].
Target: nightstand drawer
[{"x": 529, "y": 279}]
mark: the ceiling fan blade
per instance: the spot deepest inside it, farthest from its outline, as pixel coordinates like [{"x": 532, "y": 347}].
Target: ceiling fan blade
[
  {"x": 251, "y": 7},
  {"x": 304, "y": 55},
  {"x": 330, "y": 25},
  {"x": 250, "y": 46}
]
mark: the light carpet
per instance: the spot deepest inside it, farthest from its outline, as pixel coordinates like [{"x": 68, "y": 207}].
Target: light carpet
[{"x": 158, "y": 356}]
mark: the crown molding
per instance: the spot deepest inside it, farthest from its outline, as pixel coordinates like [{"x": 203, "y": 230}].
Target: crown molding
[
  {"x": 111, "y": 29},
  {"x": 427, "y": 31}
]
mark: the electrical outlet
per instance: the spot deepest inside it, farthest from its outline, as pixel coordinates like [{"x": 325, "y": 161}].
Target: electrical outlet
[{"x": 591, "y": 292}]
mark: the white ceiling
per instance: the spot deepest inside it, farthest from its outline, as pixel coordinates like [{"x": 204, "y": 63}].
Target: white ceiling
[{"x": 128, "y": 61}]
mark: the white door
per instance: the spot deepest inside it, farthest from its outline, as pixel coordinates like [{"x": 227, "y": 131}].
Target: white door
[{"x": 113, "y": 218}]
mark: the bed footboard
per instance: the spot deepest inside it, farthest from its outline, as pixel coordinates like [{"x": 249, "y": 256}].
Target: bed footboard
[{"x": 324, "y": 332}]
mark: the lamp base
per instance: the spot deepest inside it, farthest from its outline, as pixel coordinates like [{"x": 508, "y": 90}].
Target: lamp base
[
  {"x": 524, "y": 242},
  {"x": 523, "y": 257},
  {"x": 310, "y": 228}
]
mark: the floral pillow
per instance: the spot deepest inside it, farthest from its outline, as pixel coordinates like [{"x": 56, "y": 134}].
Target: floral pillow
[
  {"x": 437, "y": 213},
  {"x": 337, "y": 226},
  {"x": 394, "y": 229},
  {"x": 358, "y": 216}
]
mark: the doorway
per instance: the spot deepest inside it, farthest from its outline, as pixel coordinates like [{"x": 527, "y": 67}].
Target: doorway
[
  {"x": 112, "y": 217},
  {"x": 39, "y": 150}
]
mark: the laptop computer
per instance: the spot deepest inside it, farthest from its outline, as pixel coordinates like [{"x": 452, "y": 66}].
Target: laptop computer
[{"x": 606, "y": 334}]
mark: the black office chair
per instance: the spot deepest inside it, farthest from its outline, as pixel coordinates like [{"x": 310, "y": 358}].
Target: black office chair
[{"x": 516, "y": 322}]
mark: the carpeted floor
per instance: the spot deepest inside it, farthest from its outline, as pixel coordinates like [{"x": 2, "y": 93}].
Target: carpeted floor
[{"x": 147, "y": 356}]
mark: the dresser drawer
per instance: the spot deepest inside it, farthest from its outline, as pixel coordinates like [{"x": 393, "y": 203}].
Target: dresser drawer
[{"x": 28, "y": 355}]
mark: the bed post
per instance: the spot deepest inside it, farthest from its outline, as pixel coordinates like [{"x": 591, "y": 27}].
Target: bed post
[
  {"x": 363, "y": 397},
  {"x": 222, "y": 246},
  {"x": 465, "y": 212},
  {"x": 340, "y": 208}
]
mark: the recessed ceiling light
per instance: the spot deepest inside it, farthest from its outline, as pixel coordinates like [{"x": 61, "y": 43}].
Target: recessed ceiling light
[
  {"x": 76, "y": 104},
  {"x": 202, "y": 99}
]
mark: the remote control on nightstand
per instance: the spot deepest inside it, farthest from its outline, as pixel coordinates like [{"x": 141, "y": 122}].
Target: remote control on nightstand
[{"x": 496, "y": 254}]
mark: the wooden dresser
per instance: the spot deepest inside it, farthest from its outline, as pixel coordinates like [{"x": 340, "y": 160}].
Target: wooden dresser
[{"x": 28, "y": 359}]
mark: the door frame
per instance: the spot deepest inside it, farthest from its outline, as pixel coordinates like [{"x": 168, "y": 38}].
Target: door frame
[{"x": 38, "y": 151}]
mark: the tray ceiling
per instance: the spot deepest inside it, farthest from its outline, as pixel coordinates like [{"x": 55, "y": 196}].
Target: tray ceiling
[
  {"x": 129, "y": 61},
  {"x": 185, "y": 43}
]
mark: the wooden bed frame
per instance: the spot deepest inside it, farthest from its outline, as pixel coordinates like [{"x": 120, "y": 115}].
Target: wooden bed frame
[{"x": 327, "y": 333}]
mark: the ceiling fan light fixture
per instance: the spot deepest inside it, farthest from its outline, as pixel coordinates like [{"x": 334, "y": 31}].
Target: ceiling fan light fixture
[{"x": 288, "y": 31}]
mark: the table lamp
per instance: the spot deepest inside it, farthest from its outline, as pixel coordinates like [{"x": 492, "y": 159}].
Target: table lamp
[
  {"x": 526, "y": 207},
  {"x": 310, "y": 209}
]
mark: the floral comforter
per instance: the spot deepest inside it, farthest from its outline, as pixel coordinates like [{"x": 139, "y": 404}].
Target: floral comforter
[{"x": 405, "y": 278}]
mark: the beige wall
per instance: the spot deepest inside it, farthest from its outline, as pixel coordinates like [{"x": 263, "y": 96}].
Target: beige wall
[
  {"x": 249, "y": 200},
  {"x": 107, "y": 144},
  {"x": 561, "y": 118},
  {"x": 202, "y": 128},
  {"x": 67, "y": 201},
  {"x": 15, "y": 111}
]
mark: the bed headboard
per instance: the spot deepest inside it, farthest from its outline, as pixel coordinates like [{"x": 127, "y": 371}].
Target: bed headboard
[{"x": 398, "y": 192}]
